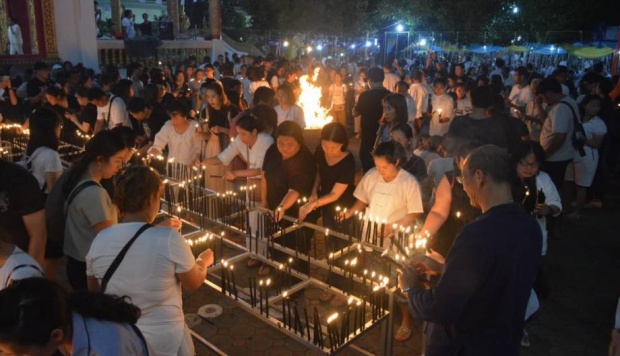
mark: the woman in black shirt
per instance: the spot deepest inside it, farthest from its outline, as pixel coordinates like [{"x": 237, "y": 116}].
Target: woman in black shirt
[
  {"x": 335, "y": 179},
  {"x": 288, "y": 173}
]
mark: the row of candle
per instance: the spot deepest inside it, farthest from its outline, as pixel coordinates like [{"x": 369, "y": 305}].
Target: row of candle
[{"x": 228, "y": 283}]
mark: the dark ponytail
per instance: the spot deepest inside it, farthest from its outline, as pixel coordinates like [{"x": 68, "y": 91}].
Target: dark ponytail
[
  {"x": 32, "y": 308},
  {"x": 105, "y": 144},
  {"x": 43, "y": 123}
]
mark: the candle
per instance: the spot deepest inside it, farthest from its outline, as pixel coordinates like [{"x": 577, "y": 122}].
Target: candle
[
  {"x": 267, "y": 296},
  {"x": 298, "y": 321},
  {"x": 307, "y": 323},
  {"x": 234, "y": 285},
  {"x": 330, "y": 331},
  {"x": 439, "y": 112},
  {"x": 329, "y": 265},
  {"x": 223, "y": 277},
  {"x": 284, "y": 297},
  {"x": 458, "y": 214},
  {"x": 357, "y": 318},
  {"x": 260, "y": 295}
]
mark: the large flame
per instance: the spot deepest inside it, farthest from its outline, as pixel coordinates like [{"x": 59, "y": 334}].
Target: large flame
[{"x": 310, "y": 101}]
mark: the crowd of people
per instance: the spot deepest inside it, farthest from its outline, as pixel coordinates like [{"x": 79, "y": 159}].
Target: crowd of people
[{"x": 488, "y": 165}]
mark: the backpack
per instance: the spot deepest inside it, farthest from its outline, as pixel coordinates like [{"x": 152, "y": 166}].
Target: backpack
[
  {"x": 57, "y": 205},
  {"x": 579, "y": 133}
]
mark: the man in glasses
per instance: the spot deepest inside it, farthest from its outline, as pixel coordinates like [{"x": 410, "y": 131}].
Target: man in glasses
[{"x": 478, "y": 306}]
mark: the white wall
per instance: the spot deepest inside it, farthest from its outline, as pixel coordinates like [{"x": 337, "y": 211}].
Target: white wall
[{"x": 76, "y": 33}]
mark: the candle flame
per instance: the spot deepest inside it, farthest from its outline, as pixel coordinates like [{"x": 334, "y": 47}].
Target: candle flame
[{"x": 332, "y": 317}]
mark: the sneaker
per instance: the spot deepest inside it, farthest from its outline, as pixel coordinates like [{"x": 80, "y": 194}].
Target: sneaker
[{"x": 525, "y": 339}]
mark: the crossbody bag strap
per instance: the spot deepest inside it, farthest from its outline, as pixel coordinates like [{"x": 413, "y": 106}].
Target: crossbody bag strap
[
  {"x": 8, "y": 279},
  {"x": 110, "y": 109},
  {"x": 575, "y": 120},
  {"x": 119, "y": 258}
]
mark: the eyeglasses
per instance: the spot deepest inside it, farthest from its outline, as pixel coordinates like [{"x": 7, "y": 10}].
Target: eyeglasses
[{"x": 529, "y": 165}]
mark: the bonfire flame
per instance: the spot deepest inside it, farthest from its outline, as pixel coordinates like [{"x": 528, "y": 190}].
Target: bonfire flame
[{"x": 310, "y": 101}]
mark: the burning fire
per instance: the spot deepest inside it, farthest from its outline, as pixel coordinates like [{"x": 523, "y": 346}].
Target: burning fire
[{"x": 310, "y": 101}]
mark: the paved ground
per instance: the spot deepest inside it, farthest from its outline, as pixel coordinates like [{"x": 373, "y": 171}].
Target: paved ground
[{"x": 583, "y": 268}]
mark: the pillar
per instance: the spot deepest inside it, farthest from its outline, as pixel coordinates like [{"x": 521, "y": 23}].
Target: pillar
[
  {"x": 215, "y": 19},
  {"x": 173, "y": 14}
]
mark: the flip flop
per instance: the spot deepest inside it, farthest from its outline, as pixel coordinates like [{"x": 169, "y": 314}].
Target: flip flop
[
  {"x": 326, "y": 296},
  {"x": 264, "y": 270},
  {"x": 337, "y": 302},
  {"x": 252, "y": 262},
  {"x": 402, "y": 334}
]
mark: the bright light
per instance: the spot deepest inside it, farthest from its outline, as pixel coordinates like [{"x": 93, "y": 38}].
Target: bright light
[
  {"x": 353, "y": 46},
  {"x": 309, "y": 49},
  {"x": 319, "y": 47},
  {"x": 310, "y": 101},
  {"x": 341, "y": 54},
  {"x": 519, "y": 38},
  {"x": 422, "y": 42},
  {"x": 368, "y": 43},
  {"x": 515, "y": 10},
  {"x": 285, "y": 44},
  {"x": 553, "y": 48},
  {"x": 399, "y": 28}
]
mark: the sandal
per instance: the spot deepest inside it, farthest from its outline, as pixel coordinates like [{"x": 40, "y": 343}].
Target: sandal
[
  {"x": 252, "y": 262},
  {"x": 264, "y": 270},
  {"x": 402, "y": 334},
  {"x": 337, "y": 302},
  {"x": 326, "y": 296}
]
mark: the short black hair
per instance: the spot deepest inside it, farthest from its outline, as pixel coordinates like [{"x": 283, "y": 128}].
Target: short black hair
[
  {"x": 392, "y": 151},
  {"x": 137, "y": 104},
  {"x": 482, "y": 97},
  {"x": 549, "y": 84},
  {"x": 249, "y": 123},
  {"x": 176, "y": 107},
  {"x": 290, "y": 129},
  {"x": 95, "y": 94},
  {"x": 525, "y": 148},
  {"x": 376, "y": 75},
  {"x": 267, "y": 115}
]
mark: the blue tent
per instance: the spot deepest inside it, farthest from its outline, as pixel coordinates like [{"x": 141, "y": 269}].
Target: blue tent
[
  {"x": 487, "y": 49},
  {"x": 550, "y": 50}
]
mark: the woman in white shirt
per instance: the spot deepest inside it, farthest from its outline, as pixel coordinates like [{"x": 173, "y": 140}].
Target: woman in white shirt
[
  {"x": 179, "y": 134},
  {"x": 155, "y": 266},
  {"x": 582, "y": 169},
  {"x": 15, "y": 264},
  {"x": 287, "y": 109},
  {"x": 337, "y": 96},
  {"x": 42, "y": 156},
  {"x": 390, "y": 194}
]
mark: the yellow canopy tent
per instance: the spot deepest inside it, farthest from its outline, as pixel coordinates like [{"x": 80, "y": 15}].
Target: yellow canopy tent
[
  {"x": 519, "y": 49},
  {"x": 592, "y": 52}
]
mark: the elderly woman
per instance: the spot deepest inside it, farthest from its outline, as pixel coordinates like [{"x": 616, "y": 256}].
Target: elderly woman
[
  {"x": 288, "y": 173},
  {"x": 155, "y": 266}
]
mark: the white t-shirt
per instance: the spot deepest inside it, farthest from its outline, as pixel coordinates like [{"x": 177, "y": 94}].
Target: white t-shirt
[
  {"x": 182, "y": 147},
  {"x": 438, "y": 168},
  {"x": 560, "y": 120},
  {"x": 254, "y": 156},
  {"x": 463, "y": 107},
  {"x": 44, "y": 160},
  {"x": 294, "y": 113},
  {"x": 552, "y": 198},
  {"x": 595, "y": 126},
  {"x": 445, "y": 103},
  {"x": 389, "y": 200},
  {"x": 520, "y": 97},
  {"x": 18, "y": 266},
  {"x": 411, "y": 108},
  {"x": 420, "y": 96},
  {"x": 128, "y": 26},
  {"x": 252, "y": 88},
  {"x": 337, "y": 94},
  {"x": 389, "y": 82},
  {"x": 148, "y": 274},
  {"x": 117, "y": 113}
]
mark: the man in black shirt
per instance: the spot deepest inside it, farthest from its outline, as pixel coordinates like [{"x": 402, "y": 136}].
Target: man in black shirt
[
  {"x": 9, "y": 110},
  {"x": 478, "y": 305},
  {"x": 477, "y": 126},
  {"x": 145, "y": 114},
  {"x": 369, "y": 106},
  {"x": 37, "y": 86},
  {"x": 22, "y": 210}
]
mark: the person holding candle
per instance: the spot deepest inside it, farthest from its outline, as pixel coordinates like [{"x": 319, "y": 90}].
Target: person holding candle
[
  {"x": 335, "y": 179},
  {"x": 538, "y": 196},
  {"x": 154, "y": 268},
  {"x": 403, "y": 134},
  {"x": 390, "y": 194},
  {"x": 251, "y": 144},
  {"x": 443, "y": 105},
  {"x": 478, "y": 305},
  {"x": 288, "y": 173},
  {"x": 179, "y": 135},
  {"x": 91, "y": 210},
  {"x": 451, "y": 210},
  {"x": 218, "y": 113}
]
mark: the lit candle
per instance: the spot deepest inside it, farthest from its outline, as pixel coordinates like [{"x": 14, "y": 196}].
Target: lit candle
[
  {"x": 260, "y": 295},
  {"x": 267, "y": 296}
]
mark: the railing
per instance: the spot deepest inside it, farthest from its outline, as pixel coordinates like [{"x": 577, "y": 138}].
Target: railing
[{"x": 113, "y": 52}]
